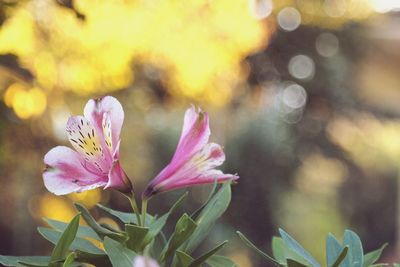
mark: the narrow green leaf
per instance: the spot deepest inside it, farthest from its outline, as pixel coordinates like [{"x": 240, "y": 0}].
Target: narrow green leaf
[
  {"x": 207, "y": 217},
  {"x": 119, "y": 255},
  {"x": 14, "y": 260},
  {"x": 333, "y": 249},
  {"x": 296, "y": 247},
  {"x": 355, "y": 255},
  {"x": 83, "y": 231},
  {"x": 371, "y": 257},
  {"x": 341, "y": 257},
  {"x": 101, "y": 231},
  {"x": 278, "y": 249},
  {"x": 261, "y": 253},
  {"x": 158, "y": 224},
  {"x": 220, "y": 261},
  {"x": 136, "y": 235},
  {"x": 94, "y": 259},
  {"x": 213, "y": 190},
  {"x": 293, "y": 263},
  {"x": 69, "y": 260},
  {"x": 197, "y": 262},
  {"x": 78, "y": 243},
  {"x": 67, "y": 237},
  {"x": 183, "y": 259},
  {"x": 183, "y": 230},
  {"x": 125, "y": 217}
]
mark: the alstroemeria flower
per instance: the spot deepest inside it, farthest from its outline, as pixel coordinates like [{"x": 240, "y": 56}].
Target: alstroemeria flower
[
  {"x": 195, "y": 159},
  {"x": 95, "y": 161},
  {"x": 141, "y": 261}
]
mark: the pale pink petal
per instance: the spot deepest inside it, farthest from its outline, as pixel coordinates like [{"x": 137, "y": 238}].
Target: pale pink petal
[
  {"x": 141, "y": 261},
  {"x": 65, "y": 172},
  {"x": 86, "y": 140},
  {"x": 106, "y": 112}
]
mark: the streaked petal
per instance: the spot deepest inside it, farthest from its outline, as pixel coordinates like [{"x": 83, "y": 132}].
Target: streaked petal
[
  {"x": 85, "y": 139},
  {"x": 106, "y": 114},
  {"x": 65, "y": 172}
]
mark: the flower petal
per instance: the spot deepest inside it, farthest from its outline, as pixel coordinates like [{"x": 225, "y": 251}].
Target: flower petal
[
  {"x": 85, "y": 139},
  {"x": 208, "y": 177},
  {"x": 142, "y": 261},
  {"x": 66, "y": 173},
  {"x": 195, "y": 135},
  {"x": 107, "y": 116},
  {"x": 117, "y": 179},
  {"x": 196, "y": 171}
]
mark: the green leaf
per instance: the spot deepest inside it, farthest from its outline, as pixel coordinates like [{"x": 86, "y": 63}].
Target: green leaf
[
  {"x": 296, "y": 247},
  {"x": 94, "y": 259},
  {"x": 183, "y": 230},
  {"x": 101, "y": 231},
  {"x": 355, "y": 256},
  {"x": 371, "y": 257},
  {"x": 278, "y": 249},
  {"x": 183, "y": 259},
  {"x": 207, "y": 217},
  {"x": 78, "y": 244},
  {"x": 136, "y": 236},
  {"x": 64, "y": 242},
  {"x": 293, "y": 263},
  {"x": 83, "y": 231},
  {"x": 341, "y": 257},
  {"x": 220, "y": 261},
  {"x": 158, "y": 224},
  {"x": 69, "y": 260},
  {"x": 333, "y": 249},
  {"x": 119, "y": 255},
  {"x": 213, "y": 190},
  {"x": 261, "y": 253},
  {"x": 125, "y": 217},
  {"x": 14, "y": 260},
  {"x": 197, "y": 262}
]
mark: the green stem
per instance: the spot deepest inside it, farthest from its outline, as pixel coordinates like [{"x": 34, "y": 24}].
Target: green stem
[
  {"x": 135, "y": 208},
  {"x": 144, "y": 211}
]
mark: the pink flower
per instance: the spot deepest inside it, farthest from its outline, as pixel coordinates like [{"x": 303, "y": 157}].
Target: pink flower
[
  {"x": 95, "y": 161},
  {"x": 141, "y": 261},
  {"x": 195, "y": 159}
]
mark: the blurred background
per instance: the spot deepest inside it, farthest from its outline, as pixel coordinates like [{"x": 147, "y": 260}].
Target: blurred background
[{"x": 303, "y": 94}]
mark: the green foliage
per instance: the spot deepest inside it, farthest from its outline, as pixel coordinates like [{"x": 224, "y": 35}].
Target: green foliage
[
  {"x": 288, "y": 252},
  {"x": 106, "y": 246}
]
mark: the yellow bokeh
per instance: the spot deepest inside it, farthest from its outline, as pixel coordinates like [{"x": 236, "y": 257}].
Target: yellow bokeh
[
  {"x": 197, "y": 45},
  {"x": 25, "y": 102},
  {"x": 88, "y": 198},
  {"x": 50, "y": 206}
]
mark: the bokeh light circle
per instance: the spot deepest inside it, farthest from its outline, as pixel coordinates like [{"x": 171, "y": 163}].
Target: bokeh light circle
[
  {"x": 301, "y": 67},
  {"x": 289, "y": 19}
]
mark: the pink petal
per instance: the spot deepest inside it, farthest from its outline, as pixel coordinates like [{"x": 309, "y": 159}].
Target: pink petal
[
  {"x": 87, "y": 141},
  {"x": 65, "y": 172},
  {"x": 105, "y": 110},
  {"x": 141, "y": 261},
  {"x": 195, "y": 135},
  {"x": 208, "y": 177},
  {"x": 117, "y": 179}
]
